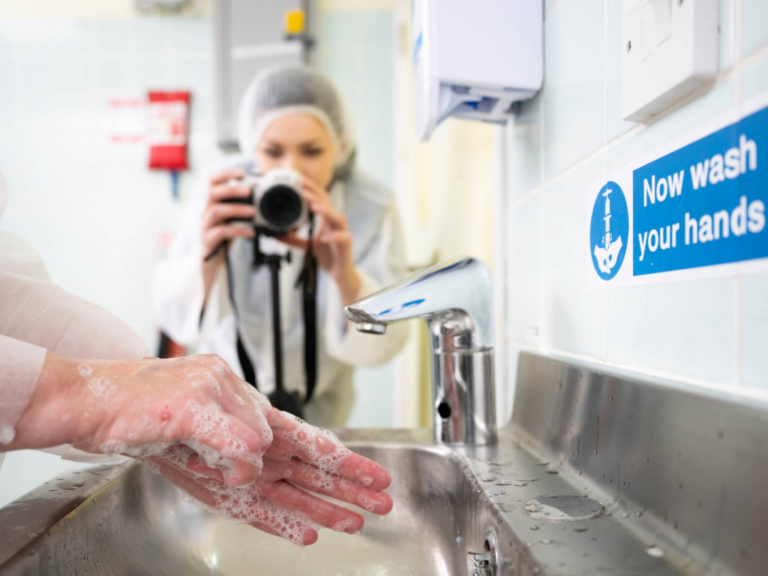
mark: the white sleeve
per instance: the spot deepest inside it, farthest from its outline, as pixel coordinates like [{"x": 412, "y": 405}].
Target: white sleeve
[
  {"x": 35, "y": 316},
  {"x": 178, "y": 289},
  {"x": 20, "y": 367},
  {"x": 384, "y": 260}
]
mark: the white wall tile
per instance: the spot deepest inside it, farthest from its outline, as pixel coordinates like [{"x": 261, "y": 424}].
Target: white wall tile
[
  {"x": 754, "y": 79},
  {"x": 113, "y": 75},
  {"x": 192, "y": 35},
  {"x": 753, "y": 331},
  {"x": 523, "y": 136},
  {"x": 195, "y": 73},
  {"x": 573, "y": 319},
  {"x": 754, "y": 25},
  {"x": 523, "y": 267},
  {"x": 150, "y": 35},
  {"x": 683, "y": 328},
  {"x": 615, "y": 47},
  {"x": 111, "y": 36},
  {"x": 716, "y": 101},
  {"x": 36, "y": 76},
  {"x": 72, "y": 75},
  {"x": 75, "y": 37},
  {"x": 727, "y": 34},
  {"x": 574, "y": 83},
  {"x": 153, "y": 73}
]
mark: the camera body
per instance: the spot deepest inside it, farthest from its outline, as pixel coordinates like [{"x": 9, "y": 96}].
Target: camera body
[{"x": 276, "y": 195}]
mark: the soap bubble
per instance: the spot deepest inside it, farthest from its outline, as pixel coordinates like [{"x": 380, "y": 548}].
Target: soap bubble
[
  {"x": 102, "y": 387},
  {"x": 84, "y": 370}
]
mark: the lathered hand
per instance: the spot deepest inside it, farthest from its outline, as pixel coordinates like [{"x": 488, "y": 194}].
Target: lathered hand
[
  {"x": 302, "y": 459},
  {"x": 143, "y": 407}
]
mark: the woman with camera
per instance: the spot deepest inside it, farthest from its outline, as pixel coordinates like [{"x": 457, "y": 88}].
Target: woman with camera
[{"x": 215, "y": 291}]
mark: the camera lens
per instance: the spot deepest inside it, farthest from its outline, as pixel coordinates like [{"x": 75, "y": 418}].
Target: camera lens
[{"x": 280, "y": 206}]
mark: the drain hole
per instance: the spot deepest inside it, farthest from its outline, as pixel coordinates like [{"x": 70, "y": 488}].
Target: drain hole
[{"x": 444, "y": 410}]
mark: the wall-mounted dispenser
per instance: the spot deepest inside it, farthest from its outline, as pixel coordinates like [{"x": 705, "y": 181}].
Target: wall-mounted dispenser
[{"x": 474, "y": 59}]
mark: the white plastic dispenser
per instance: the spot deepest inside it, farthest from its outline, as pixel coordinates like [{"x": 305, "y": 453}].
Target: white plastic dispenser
[{"x": 474, "y": 59}]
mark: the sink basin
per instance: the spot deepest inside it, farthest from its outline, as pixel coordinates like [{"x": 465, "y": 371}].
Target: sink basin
[
  {"x": 596, "y": 474},
  {"x": 140, "y": 524}
]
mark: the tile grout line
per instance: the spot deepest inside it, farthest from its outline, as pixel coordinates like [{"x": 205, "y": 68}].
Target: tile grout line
[
  {"x": 542, "y": 236},
  {"x": 605, "y": 172},
  {"x": 737, "y": 66},
  {"x": 737, "y": 330}
]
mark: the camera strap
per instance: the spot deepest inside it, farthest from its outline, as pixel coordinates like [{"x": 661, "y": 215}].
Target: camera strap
[
  {"x": 249, "y": 374},
  {"x": 308, "y": 282}
]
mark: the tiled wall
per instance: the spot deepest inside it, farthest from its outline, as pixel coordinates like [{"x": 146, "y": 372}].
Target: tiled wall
[
  {"x": 712, "y": 333},
  {"x": 89, "y": 206}
]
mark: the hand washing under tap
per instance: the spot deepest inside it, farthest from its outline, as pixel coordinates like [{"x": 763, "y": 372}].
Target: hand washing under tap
[{"x": 455, "y": 298}]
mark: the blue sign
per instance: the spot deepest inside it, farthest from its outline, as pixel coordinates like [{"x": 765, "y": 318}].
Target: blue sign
[
  {"x": 703, "y": 204},
  {"x": 609, "y": 231}
]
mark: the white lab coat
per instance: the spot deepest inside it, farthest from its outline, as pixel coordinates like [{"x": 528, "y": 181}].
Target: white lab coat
[{"x": 378, "y": 253}]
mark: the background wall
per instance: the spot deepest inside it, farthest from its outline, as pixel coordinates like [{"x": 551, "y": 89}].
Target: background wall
[
  {"x": 355, "y": 49},
  {"x": 99, "y": 219},
  {"x": 713, "y": 333}
]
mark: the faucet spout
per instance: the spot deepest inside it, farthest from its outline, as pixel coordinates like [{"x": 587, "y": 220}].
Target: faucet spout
[{"x": 455, "y": 298}]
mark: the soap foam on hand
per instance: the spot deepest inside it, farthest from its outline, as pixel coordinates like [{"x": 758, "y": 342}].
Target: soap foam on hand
[
  {"x": 223, "y": 419},
  {"x": 244, "y": 505}
]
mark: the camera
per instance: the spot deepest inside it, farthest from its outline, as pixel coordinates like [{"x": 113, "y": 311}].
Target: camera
[{"x": 280, "y": 207}]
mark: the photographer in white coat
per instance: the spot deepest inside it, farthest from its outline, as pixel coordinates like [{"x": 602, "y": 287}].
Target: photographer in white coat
[{"x": 289, "y": 118}]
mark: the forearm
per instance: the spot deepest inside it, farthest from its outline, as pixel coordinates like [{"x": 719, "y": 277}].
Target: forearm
[
  {"x": 210, "y": 272},
  {"x": 53, "y": 416},
  {"x": 349, "y": 283}
]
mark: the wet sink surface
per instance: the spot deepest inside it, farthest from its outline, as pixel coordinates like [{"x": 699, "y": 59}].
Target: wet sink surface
[{"x": 140, "y": 524}]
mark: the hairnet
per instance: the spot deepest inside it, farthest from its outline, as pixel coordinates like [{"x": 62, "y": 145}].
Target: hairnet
[{"x": 284, "y": 90}]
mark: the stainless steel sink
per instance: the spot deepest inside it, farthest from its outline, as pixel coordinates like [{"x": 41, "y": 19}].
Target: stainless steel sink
[
  {"x": 596, "y": 474},
  {"x": 138, "y": 523}
]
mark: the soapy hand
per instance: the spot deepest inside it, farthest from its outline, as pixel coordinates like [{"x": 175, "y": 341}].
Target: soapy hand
[
  {"x": 301, "y": 459},
  {"x": 143, "y": 407},
  {"x": 196, "y": 422}
]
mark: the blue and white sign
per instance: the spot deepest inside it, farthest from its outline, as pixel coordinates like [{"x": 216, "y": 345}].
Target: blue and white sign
[
  {"x": 609, "y": 231},
  {"x": 693, "y": 209}
]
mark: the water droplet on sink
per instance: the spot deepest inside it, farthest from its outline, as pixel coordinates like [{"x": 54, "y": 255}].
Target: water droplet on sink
[
  {"x": 488, "y": 478},
  {"x": 459, "y": 540},
  {"x": 68, "y": 485},
  {"x": 654, "y": 551},
  {"x": 580, "y": 529},
  {"x": 534, "y": 527},
  {"x": 551, "y": 471},
  {"x": 564, "y": 508},
  {"x": 503, "y": 484},
  {"x": 521, "y": 483}
]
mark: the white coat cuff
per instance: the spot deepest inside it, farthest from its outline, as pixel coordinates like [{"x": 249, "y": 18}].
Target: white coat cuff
[{"x": 20, "y": 367}]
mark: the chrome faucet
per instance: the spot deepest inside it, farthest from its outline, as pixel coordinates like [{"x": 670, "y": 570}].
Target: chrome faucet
[{"x": 456, "y": 300}]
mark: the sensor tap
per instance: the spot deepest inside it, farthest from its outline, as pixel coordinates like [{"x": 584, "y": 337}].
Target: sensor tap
[{"x": 455, "y": 298}]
